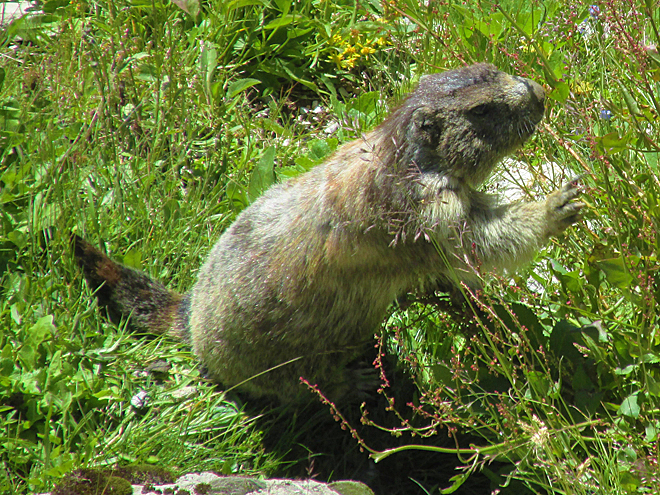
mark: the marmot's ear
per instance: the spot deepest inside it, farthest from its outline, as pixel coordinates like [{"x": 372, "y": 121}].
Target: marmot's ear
[{"x": 426, "y": 125}]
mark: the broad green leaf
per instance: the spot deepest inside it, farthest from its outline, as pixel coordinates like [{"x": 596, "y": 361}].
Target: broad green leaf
[
  {"x": 15, "y": 314},
  {"x": 237, "y": 195},
  {"x": 189, "y": 6},
  {"x": 616, "y": 272},
  {"x": 18, "y": 238},
  {"x": 630, "y": 482},
  {"x": 241, "y": 85},
  {"x": 321, "y": 148},
  {"x": 629, "y": 407},
  {"x": 297, "y": 32},
  {"x": 581, "y": 380},
  {"x": 541, "y": 384},
  {"x": 560, "y": 92},
  {"x": 43, "y": 328},
  {"x": 133, "y": 258},
  {"x": 626, "y": 370},
  {"x": 613, "y": 143},
  {"x": 305, "y": 162},
  {"x": 282, "y": 21},
  {"x": 284, "y": 6},
  {"x": 263, "y": 175},
  {"x": 651, "y": 358},
  {"x": 27, "y": 355},
  {"x": 626, "y": 456},
  {"x": 653, "y": 386}
]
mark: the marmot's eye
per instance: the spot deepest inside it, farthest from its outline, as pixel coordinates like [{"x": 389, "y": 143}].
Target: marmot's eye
[{"x": 480, "y": 110}]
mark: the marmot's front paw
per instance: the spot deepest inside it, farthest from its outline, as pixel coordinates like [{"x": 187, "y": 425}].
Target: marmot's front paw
[{"x": 561, "y": 210}]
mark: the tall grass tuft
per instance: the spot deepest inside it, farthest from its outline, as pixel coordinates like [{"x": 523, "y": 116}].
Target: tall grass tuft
[{"x": 146, "y": 128}]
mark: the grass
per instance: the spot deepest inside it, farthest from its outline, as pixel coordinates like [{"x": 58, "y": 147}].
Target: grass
[{"x": 147, "y": 129}]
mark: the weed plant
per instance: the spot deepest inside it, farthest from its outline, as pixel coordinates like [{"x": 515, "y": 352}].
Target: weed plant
[{"x": 147, "y": 126}]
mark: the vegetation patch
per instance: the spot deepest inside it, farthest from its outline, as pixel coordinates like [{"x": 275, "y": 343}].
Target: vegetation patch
[{"x": 145, "y": 127}]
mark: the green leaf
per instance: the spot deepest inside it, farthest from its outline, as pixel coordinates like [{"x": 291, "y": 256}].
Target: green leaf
[
  {"x": 241, "y": 85},
  {"x": 133, "y": 258},
  {"x": 457, "y": 481},
  {"x": 284, "y": 6},
  {"x": 19, "y": 238},
  {"x": 321, "y": 148},
  {"x": 562, "y": 340},
  {"x": 630, "y": 482},
  {"x": 237, "y": 4},
  {"x": 561, "y": 92},
  {"x": 50, "y": 6},
  {"x": 189, "y": 6},
  {"x": 207, "y": 65},
  {"x": 27, "y": 355},
  {"x": 105, "y": 394},
  {"x": 130, "y": 60},
  {"x": 43, "y": 328},
  {"x": 147, "y": 73},
  {"x": 282, "y": 21},
  {"x": 15, "y": 315},
  {"x": 630, "y": 101},
  {"x": 237, "y": 195},
  {"x": 629, "y": 407},
  {"x": 305, "y": 163},
  {"x": 616, "y": 272},
  {"x": 443, "y": 375},
  {"x": 572, "y": 282},
  {"x": 581, "y": 380},
  {"x": 540, "y": 383},
  {"x": 613, "y": 143},
  {"x": 596, "y": 331},
  {"x": 298, "y": 32},
  {"x": 626, "y": 370},
  {"x": 263, "y": 175},
  {"x": 651, "y": 358},
  {"x": 626, "y": 457},
  {"x": 653, "y": 386}
]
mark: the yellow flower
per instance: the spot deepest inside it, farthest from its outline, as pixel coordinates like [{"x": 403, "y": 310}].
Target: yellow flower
[
  {"x": 336, "y": 39},
  {"x": 337, "y": 58},
  {"x": 349, "y": 50},
  {"x": 382, "y": 41},
  {"x": 367, "y": 50},
  {"x": 349, "y": 63}
]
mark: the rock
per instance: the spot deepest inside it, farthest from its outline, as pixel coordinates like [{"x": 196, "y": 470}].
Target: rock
[
  {"x": 97, "y": 482},
  {"x": 212, "y": 484}
]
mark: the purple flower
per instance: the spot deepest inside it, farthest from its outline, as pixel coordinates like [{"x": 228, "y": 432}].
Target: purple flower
[
  {"x": 594, "y": 10},
  {"x": 605, "y": 114}
]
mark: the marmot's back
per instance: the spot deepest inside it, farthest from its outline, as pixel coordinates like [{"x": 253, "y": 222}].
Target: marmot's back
[{"x": 299, "y": 283}]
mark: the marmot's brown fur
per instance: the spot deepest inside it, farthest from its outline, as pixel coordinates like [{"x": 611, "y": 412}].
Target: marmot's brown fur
[{"x": 300, "y": 282}]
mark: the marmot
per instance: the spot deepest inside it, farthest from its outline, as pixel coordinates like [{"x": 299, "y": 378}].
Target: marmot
[{"x": 300, "y": 282}]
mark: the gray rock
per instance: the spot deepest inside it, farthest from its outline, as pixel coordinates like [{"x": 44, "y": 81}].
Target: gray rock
[{"x": 212, "y": 484}]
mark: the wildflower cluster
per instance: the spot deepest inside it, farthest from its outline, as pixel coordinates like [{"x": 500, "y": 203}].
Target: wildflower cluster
[{"x": 355, "y": 47}]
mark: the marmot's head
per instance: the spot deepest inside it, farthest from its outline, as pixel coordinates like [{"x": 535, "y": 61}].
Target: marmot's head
[{"x": 465, "y": 121}]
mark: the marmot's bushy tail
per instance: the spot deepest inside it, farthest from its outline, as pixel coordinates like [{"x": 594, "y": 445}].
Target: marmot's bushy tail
[{"x": 125, "y": 292}]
